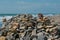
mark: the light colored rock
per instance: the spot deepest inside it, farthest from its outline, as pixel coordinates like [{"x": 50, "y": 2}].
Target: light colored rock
[{"x": 2, "y": 38}]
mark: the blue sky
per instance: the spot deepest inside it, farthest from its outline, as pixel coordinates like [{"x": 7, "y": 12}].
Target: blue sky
[{"x": 29, "y": 6}]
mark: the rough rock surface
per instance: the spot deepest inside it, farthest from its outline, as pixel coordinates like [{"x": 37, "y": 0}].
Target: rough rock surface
[{"x": 26, "y": 27}]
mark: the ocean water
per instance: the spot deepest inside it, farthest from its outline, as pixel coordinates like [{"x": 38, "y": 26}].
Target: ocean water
[{"x": 8, "y": 16}]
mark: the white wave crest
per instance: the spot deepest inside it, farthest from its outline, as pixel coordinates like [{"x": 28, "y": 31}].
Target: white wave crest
[
  {"x": 7, "y": 17},
  {"x": 49, "y": 15}
]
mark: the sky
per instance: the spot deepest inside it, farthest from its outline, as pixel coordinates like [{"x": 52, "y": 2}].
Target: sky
[{"x": 29, "y": 6}]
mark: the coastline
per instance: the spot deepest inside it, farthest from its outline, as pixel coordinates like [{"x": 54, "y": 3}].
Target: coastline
[
  {"x": 16, "y": 21},
  {"x": 56, "y": 18}
]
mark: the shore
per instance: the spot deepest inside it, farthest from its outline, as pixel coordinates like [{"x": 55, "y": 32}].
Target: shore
[
  {"x": 56, "y": 18},
  {"x": 18, "y": 23}
]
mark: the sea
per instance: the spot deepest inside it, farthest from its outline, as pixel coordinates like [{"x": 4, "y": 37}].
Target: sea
[{"x": 8, "y": 15}]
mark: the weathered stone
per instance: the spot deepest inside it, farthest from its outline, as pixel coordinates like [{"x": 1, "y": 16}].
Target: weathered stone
[
  {"x": 28, "y": 27},
  {"x": 2, "y": 38}
]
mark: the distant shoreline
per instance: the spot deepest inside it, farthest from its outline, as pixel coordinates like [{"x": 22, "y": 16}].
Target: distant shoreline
[{"x": 46, "y": 14}]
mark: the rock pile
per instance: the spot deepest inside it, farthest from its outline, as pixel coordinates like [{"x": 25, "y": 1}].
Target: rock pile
[{"x": 27, "y": 27}]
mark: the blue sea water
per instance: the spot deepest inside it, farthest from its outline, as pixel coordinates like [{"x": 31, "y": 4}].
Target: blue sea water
[{"x": 8, "y": 16}]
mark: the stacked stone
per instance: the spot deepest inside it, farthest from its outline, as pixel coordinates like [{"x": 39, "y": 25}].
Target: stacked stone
[{"x": 26, "y": 27}]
